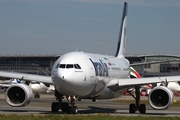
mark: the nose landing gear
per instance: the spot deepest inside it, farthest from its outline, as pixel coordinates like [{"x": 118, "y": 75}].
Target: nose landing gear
[{"x": 66, "y": 107}]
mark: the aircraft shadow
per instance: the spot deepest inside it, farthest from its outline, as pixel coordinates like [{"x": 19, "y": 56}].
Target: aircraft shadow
[{"x": 97, "y": 110}]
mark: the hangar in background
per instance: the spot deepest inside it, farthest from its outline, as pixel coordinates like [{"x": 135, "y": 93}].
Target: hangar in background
[{"x": 42, "y": 64}]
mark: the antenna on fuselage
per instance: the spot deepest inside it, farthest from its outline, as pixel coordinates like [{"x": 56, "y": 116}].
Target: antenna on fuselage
[{"x": 122, "y": 34}]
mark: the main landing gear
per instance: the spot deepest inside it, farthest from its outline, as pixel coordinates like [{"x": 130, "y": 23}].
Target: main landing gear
[
  {"x": 36, "y": 95},
  {"x": 66, "y": 107},
  {"x": 137, "y": 106}
]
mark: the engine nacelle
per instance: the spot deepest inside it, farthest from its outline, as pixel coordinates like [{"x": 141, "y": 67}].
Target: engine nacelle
[
  {"x": 160, "y": 98},
  {"x": 18, "y": 95}
]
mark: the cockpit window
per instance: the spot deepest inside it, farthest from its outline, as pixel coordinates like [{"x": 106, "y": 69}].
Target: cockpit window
[
  {"x": 62, "y": 65},
  {"x": 77, "y": 66},
  {"x": 69, "y": 66},
  {"x": 57, "y": 66}
]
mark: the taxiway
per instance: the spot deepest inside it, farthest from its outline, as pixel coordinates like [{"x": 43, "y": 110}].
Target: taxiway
[{"x": 43, "y": 106}]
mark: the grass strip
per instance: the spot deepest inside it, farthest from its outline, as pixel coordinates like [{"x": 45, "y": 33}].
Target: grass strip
[{"x": 82, "y": 117}]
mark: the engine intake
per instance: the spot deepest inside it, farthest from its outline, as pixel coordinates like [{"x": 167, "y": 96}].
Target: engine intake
[
  {"x": 160, "y": 98},
  {"x": 18, "y": 95}
]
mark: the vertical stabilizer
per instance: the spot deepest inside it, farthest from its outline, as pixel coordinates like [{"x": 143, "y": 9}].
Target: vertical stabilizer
[{"x": 120, "y": 52}]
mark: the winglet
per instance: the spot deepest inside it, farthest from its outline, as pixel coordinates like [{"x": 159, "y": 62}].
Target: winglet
[{"x": 122, "y": 34}]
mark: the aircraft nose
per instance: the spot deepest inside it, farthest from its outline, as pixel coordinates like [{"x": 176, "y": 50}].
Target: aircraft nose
[
  {"x": 66, "y": 79},
  {"x": 65, "y": 75},
  {"x": 72, "y": 83}
]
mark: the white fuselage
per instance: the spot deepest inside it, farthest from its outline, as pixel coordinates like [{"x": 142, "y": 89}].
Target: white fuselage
[{"x": 87, "y": 75}]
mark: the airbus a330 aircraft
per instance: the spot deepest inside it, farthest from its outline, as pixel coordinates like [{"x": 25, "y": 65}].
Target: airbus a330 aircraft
[
  {"x": 92, "y": 76},
  {"x": 37, "y": 87},
  {"x": 174, "y": 86}
]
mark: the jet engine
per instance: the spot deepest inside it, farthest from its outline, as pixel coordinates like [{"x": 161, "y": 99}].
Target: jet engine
[
  {"x": 160, "y": 98},
  {"x": 18, "y": 95}
]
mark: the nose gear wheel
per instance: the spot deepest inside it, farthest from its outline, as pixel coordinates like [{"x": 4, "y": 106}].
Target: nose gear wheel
[{"x": 66, "y": 107}]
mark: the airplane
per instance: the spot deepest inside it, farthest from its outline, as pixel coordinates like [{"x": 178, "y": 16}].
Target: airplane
[
  {"x": 144, "y": 89},
  {"x": 5, "y": 85},
  {"x": 37, "y": 87},
  {"x": 92, "y": 76},
  {"x": 135, "y": 74},
  {"x": 174, "y": 86}
]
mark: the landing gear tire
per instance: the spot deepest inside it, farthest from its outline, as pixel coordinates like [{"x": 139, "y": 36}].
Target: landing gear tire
[
  {"x": 132, "y": 108},
  {"x": 69, "y": 109},
  {"x": 65, "y": 107},
  {"x": 137, "y": 106},
  {"x": 55, "y": 107},
  {"x": 74, "y": 110},
  {"x": 36, "y": 96},
  {"x": 142, "y": 108}
]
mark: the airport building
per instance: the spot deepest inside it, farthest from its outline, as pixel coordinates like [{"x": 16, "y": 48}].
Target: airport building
[
  {"x": 34, "y": 64},
  {"x": 159, "y": 69},
  {"x": 42, "y": 64}
]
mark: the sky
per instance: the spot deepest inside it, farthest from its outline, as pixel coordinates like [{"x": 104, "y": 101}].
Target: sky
[{"x": 48, "y": 27}]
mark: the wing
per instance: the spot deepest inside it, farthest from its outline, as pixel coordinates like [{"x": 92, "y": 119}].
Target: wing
[
  {"x": 26, "y": 77},
  {"x": 119, "y": 84}
]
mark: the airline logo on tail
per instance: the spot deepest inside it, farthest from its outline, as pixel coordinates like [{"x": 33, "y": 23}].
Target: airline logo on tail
[{"x": 135, "y": 74}]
